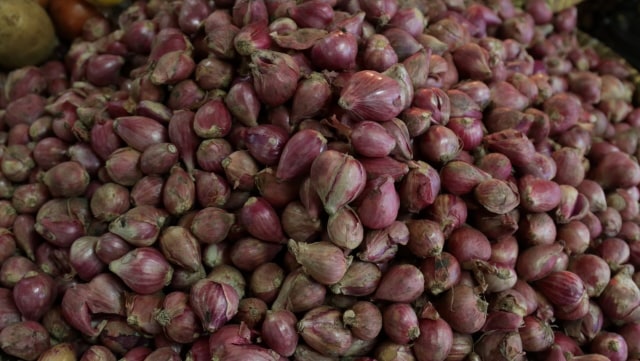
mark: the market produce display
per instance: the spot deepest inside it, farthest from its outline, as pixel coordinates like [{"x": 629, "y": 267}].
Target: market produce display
[{"x": 320, "y": 180}]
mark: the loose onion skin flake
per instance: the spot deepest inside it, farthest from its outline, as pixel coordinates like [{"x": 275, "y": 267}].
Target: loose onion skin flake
[{"x": 319, "y": 180}]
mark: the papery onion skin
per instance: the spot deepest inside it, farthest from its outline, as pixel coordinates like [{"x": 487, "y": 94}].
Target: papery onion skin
[
  {"x": 438, "y": 343},
  {"x": 323, "y": 330},
  {"x": 273, "y": 179},
  {"x": 143, "y": 269},
  {"x": 371, "y": 95},
  {"x": 26, "y": 340},
  {"x": 34, "y": 294},
  {"x": 611, "y": 345},
  {"x": 462, "y": 309}
]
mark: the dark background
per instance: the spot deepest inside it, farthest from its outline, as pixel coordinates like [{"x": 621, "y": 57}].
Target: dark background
[{"x": 615, "y": 23}]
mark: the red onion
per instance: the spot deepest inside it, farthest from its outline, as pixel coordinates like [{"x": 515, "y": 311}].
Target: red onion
[
  {"x": 299, "y": 293},
  {"x": 496, "y": 164},
  {"x": 10, "y": 313},
  {"x": 138, "y": 353},
  {"x": 570, "y": 167},
  {"x": 440, "y": 272},
  {"x": 467, "y": 244},
  {"x": 611, "y": 221},
  {"x": 143, "y": 269},
  {"x": 303, "y": 147},
  {"x": 344, "y": 228},
  {"x": 338, "y": 179},
  {"x": 381, "y": 12},
  {"x": 109, "y": 201},
  {"x": 97, "y": 352},
  {"x": 425, "y": 238},
  {"x": 629, "y": 332},
  {"x": 562, "y": 288},
  {"x": 361, "y": 279},
  {"x": 140, "y": 226},
  {"x": 179, "y": 193},
  {"x": 572, "y": 206},
  {"x": 7, "y": 245},
  {"x": 501, "y": 345},
  {"x": 505, "y": 251},
  {"x": 379, "y": 203},
  {"x": 323, "y": 261},
  {"x": 585, "y": 329},
  {"x": 439, "y": 144},
  {"x": 618, "y": 300},
  {"x": 364, "y": 319},
  {"x": 248, "y": 253},
  {"x": 614, "y": 251},
  {"x": 468, "y": 129},
  {"x": 536, "y": 213},
  {"x": 494, "y": 277},
  {"x": 536, "y": 334},
  {"x": 83, "y": 258},
  {"x": 448, "y": 210},
  {"x": 473, "y": 61},
  {"x": 60, "y": 221},
  {"x": 278, "y": 332},
  {"x": 607, "y": 174},
  {"x": 538, "y": 195},
  {"x": 462, "y": 308},
  {"x": 371, "y": 139},
  {"x": 214, "y": 303},
  {"x": 611, "y": 345},
  {"x": 261, "y": 220},
  {"x": 118, "y": 336},
  {"x": 593, "y": 271},
  {"x": 421, "y": 180},
  {"x": 141, "y": 309},
  {"x": 323, "y": 330},
  {"x": 298, "y": 224},
  {"x": 336, "y": 51},
  {"x": 311, "y": 96},
  {"x": 460, "y": 177},
  {"x": 266, "y": 280},
  {"x": 384, "y": 106},
  {"x": 14, "y": 269},
  {"x": 436, "y": 101},
  {"x": 594, "y": 193},
  {"x": 512, "y": 144},
  {"x": 140, "y": 132},
  {"x": 67, "y": 179},
  {"x": 400, "y": 323},
  {"x": 388, "y": 351},
  {"x": 436, "y": 337},
  {"x": 538, "y": 261},
  {"x": 400, "y": 283},
  {"x": 228, "y": 334},
  {"x": 26, "y": 340},
  {"x": 177, "y": 318},
  {"x": 449, "y": 31},
  {"x": 271, "y": 68},
  {"x": 574, "y": 236},
  {"x": 382, "y": 245},
  {"x": 110, "y": 247},
  {"x": 497, "y": 196},
  {"x": 180, "y": 247},
  {"x": 501, "y": 118}
]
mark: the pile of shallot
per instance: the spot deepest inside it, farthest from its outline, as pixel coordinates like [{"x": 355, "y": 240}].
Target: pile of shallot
[{"x": 317, "y": 180}]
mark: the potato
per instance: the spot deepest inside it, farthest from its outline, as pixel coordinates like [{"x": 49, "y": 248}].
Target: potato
[{"x": 27, "y": 36}]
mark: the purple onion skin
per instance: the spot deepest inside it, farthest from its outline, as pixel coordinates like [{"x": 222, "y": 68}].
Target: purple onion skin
[
  {"x": 436, "y": 341},
  {"x": 323, "y": 162},
  {"x": 25, "y": 340}
]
